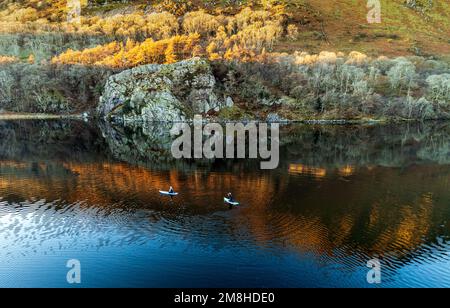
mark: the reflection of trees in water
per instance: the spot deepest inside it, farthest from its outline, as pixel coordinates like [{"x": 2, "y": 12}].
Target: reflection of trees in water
[
  {"x": 50, "y": 140},
  {"x": 331, "y": 196},
  {"x": 349, "y": 220},
  {"x": 399, "y": 215},
  {"x": 323, "y": 146},
  {"x": 382, "y": 145}
]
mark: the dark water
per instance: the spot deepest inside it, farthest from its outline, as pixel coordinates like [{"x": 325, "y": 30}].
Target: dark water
[{"x": 341, "y": 196}]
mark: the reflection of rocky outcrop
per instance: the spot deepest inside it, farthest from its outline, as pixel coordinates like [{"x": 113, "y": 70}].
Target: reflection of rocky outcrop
[
  {"x": 149, "y": 144},
  {"x": 160, "y": 92},
  {"x": 145, "y": 143}
]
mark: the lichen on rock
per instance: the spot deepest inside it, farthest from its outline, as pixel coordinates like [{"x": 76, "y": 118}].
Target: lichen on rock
[{"x": 160, "y": 93}]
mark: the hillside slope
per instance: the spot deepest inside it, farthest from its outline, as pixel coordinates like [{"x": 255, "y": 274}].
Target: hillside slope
[
  {"x": 408, "y": 27},
  {"x": 420, "y": 30}
]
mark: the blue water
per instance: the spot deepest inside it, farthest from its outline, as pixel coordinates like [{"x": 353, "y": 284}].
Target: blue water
[{"x": 313, "y": 222}]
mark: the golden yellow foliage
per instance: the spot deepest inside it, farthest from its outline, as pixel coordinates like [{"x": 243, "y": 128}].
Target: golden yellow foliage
[
  {"x": 8, "y": 59},
  {"x": 155, "y": 37},
  {"x": 15, "y": 13},
  {"x": 89, "y": 56},
  {"x": 31, "y": 59},
  {"x": 201, "y": 23},
  {"x": 132, "y": 53},
  {"x": 177, "y": 7},
  {"x": 292, "y": 32},
  {"x": 155, "y": 25}
]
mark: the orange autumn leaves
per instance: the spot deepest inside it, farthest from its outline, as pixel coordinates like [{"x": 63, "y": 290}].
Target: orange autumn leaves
[
  {"x": 8, "y": 59},
  {"x": 131, "y": 53}
]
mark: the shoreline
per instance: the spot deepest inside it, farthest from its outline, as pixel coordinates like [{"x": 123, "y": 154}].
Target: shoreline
[
  {"x": 284, "y": 122},
  {"x": 81, "y": 116},
  {"x": 38, "y": 116}
]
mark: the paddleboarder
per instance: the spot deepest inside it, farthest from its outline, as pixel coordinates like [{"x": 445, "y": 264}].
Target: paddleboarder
[{"x": 230, "y": 197}]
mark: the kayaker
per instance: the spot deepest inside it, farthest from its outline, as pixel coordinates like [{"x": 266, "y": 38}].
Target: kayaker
[{"x": 171, "y": 190}]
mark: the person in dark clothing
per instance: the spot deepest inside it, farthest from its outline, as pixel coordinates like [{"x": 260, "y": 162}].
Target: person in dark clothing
[
  {"x": 230, "y": 197},
  {"x": 171, "y": 190}
]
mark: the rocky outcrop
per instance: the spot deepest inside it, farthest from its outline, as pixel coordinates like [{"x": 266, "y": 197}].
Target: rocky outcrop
[
  {"x": 275, "y": 118},
  {"x": 163, "y": 93}
]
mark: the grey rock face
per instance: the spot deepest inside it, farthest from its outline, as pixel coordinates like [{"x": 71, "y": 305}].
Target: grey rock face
[
  {"x": 275, "y": 118},
  {"x": 229, "y": 102},
  {"x": 160, "y": 93}
]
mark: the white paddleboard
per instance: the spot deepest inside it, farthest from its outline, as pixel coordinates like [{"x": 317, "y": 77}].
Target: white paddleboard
[
  {"x": 230, "y": 202},
  {"x": 166, "y": 193}
]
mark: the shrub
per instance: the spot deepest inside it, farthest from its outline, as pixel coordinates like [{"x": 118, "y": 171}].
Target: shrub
[
  {"x": 292, "y": 32},
  {"x": 89, "y": 56},
  {"x": 201, "y": 23},
  {"x": 8, "y": 59},
  {"x": 249, "y": 17},
  {"x": 402, "y": 74},
  {"x": 177, "y": 7},
  {"x": 258, "y": 37},
  {"x": 439, "y": 88},
  {"x": 161, "y": 25},
  {"x": 323, "y": 57},
  {"x": 6, "y": 85},
  {"x": 51, "y": 101},
  {"x": 420, "y": 109},
  {"x": 357, "y": 58},
  {"x": 21, "y": 15}
]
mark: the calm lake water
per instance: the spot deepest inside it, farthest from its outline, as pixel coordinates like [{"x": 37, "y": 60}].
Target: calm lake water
[{"x": 341, "y": 196}]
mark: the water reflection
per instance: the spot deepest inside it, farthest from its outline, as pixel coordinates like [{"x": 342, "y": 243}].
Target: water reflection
[{"x": 341, "y": 196}]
